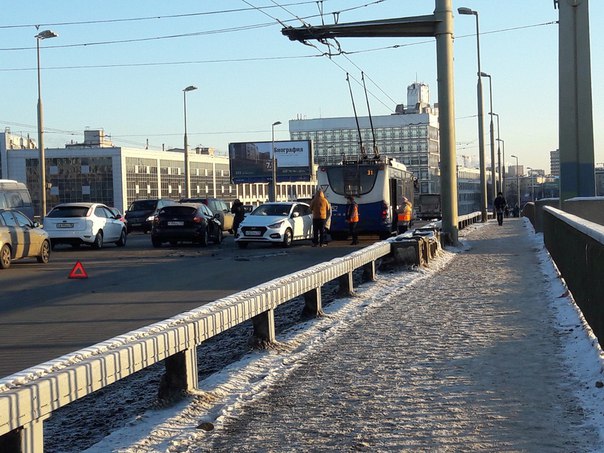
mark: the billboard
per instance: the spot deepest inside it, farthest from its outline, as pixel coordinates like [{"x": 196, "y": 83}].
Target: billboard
[{"x": 253, "y": 161}]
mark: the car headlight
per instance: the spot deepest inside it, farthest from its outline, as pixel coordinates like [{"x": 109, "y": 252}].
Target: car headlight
[
  {"x": 150, "y": 218},
  {"x": 276, "y": 224}
]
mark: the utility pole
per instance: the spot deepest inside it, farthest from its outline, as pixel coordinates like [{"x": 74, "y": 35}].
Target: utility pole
[{"x": 440, "y": 26}]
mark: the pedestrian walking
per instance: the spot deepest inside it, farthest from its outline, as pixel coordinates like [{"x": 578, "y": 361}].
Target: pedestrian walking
[
  {"x": 352, "y": 218},
  {"x": 320, "y": 208},
  {"x": 500, "y": 205},
  {"x": 239, "y": 211},
  {"x": 403, "y": 216}
]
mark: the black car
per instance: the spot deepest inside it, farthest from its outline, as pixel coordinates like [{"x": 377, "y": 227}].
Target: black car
[
  {"x": 217, "y": 206},
  {"x": 187, "y": 222},
  {"x": 139, "y": 215}
]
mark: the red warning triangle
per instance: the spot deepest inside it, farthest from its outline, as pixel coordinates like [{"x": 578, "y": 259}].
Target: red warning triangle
[{"x": 78, "y": 271}]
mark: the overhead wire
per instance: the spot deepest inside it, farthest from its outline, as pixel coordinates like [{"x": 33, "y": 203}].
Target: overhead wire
[
  {"x": 183, "y": 35},
  {"x": 325, "y": 43},
  {"x": 145, "y": 18}
]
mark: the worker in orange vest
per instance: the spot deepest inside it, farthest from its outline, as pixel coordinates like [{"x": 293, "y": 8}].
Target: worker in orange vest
[
  {"x": 352, "y": 218},
  {"x": 404, "y": 216}
]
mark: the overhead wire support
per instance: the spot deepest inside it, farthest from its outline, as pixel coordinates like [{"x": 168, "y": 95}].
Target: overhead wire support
[
  {"x": 376, "y": 153},
  {"x": 356, "y": 117}
]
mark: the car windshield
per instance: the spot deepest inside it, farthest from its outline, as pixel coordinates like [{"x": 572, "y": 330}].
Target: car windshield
[
  {"x": 143, "y": 205},
  {"x": 272, "y": 209},
  {"x": 68, "y": 211}
]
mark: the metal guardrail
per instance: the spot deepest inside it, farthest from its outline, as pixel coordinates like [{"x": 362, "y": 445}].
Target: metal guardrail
[
  {"x": 577, "y": 247},
  {"x": 29, "y": 397}
]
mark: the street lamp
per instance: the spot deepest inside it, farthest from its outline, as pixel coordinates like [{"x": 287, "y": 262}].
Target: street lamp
[
  {"x": 274, "y": 183},
  {"x": 46, "y": 34},
  {"x": 517, "y": 180},
  {"x": 532, "y": 175},
  {"x": 187, "y": 170},
  {"x": 483, "y": 177},
  {"x": 492, "y": 138},
  {"x": 502, "y": 161}
]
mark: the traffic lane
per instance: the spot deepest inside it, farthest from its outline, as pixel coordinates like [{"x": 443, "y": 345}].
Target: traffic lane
[{"x": 44, "y": 315}]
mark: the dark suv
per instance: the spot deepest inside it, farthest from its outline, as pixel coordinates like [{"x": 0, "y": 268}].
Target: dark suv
[
  {"x": 140, "y": 214},
  {"x": 217, "y": 207}
]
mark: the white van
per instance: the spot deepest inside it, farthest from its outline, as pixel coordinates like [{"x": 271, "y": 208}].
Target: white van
[{"x": 14, "y": 195}]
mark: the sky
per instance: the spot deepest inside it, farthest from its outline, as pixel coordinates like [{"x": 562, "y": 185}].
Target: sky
[
  {"x": 122, "y": 67},
  {"x": 177, "y": 428}
]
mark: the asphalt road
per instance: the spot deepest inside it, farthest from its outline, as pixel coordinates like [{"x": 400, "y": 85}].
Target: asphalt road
[{"x": 44, "y": 314}]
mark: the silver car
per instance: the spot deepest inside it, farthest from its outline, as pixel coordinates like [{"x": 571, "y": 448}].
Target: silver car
[
  {"x": 21, "y": 238},
  {"x": 85, "y": 223}
]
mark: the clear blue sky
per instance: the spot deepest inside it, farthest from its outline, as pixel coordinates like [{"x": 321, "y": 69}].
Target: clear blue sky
[{"x": 249, "y": 75}]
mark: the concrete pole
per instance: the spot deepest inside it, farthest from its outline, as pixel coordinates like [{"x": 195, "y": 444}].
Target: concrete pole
[
  {"x": 577, "y": 175},
  {"x": 444, "y": 57}
]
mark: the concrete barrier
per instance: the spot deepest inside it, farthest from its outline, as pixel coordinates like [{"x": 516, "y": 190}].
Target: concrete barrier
[
  {"x": 588, "y": 208},
  {"x": 577, "y": 247},
  {"x": 29, "y": 397}
]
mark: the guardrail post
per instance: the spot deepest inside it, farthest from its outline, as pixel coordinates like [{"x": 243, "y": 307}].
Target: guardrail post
[
  {"x": 264, "y": 327},
  {"x": 369, "y": 272},
  {"x": 346, "y": 285},
  {"x": 312, "y": 303},
  {"x": 26, "y": 439},
  {"x": 180, "y": 375}
]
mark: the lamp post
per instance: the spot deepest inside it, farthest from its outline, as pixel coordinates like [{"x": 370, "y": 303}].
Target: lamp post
[
  {"x": 517, "y": 180},
  {"x": 46, "y": 34},
  {"x": 274, "y": 183},
  {"x": 492, "y": 138},
  {"x": 532, "y": 175},
  {"x": 187, "y": 170},
  {"x": 481, "y": 154},
  {"x": 502, "y": 161}
]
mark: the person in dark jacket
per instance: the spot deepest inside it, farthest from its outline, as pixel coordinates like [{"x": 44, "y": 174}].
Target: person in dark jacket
[
  {"x": 239, "y": 212},
  {"x": 500, "y": 205}
]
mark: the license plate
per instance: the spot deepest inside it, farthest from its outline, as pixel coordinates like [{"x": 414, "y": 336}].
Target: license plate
[
  {"x": 175, "y": 223},
  {"x": 64, "y": 225},
  {"x": 253, "y": 233}
]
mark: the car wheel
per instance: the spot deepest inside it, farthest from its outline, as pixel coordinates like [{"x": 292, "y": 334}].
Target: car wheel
[
  {"x": 203, "y": 241},
  {"x": 287, "y": 238},
  {"x": 121, "y": 242},
  {"x": 242, "y": 245},
  {"x": 44, "y": 255},
  {"x": 98, "y": 241},
  {"x": 219, "y": 236},
  {"x": 5, "y": 257},
  {"x": 156, "y": 242}
]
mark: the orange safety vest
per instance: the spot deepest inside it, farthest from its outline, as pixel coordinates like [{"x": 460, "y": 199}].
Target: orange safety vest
[
  {"x": 354, "y": 215},
  {"x": 405, "y": 215}
]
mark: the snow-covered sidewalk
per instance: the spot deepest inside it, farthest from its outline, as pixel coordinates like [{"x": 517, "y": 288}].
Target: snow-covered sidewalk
[{"x": 485, "y": 353}]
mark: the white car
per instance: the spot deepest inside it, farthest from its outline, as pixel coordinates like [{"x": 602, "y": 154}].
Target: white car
[
  {"x": 84, "y": 223},
  {"x": 277, "y": 223}
]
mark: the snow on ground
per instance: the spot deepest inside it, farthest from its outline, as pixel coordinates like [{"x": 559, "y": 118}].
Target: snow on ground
[{"x": 172, "y": 429}]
